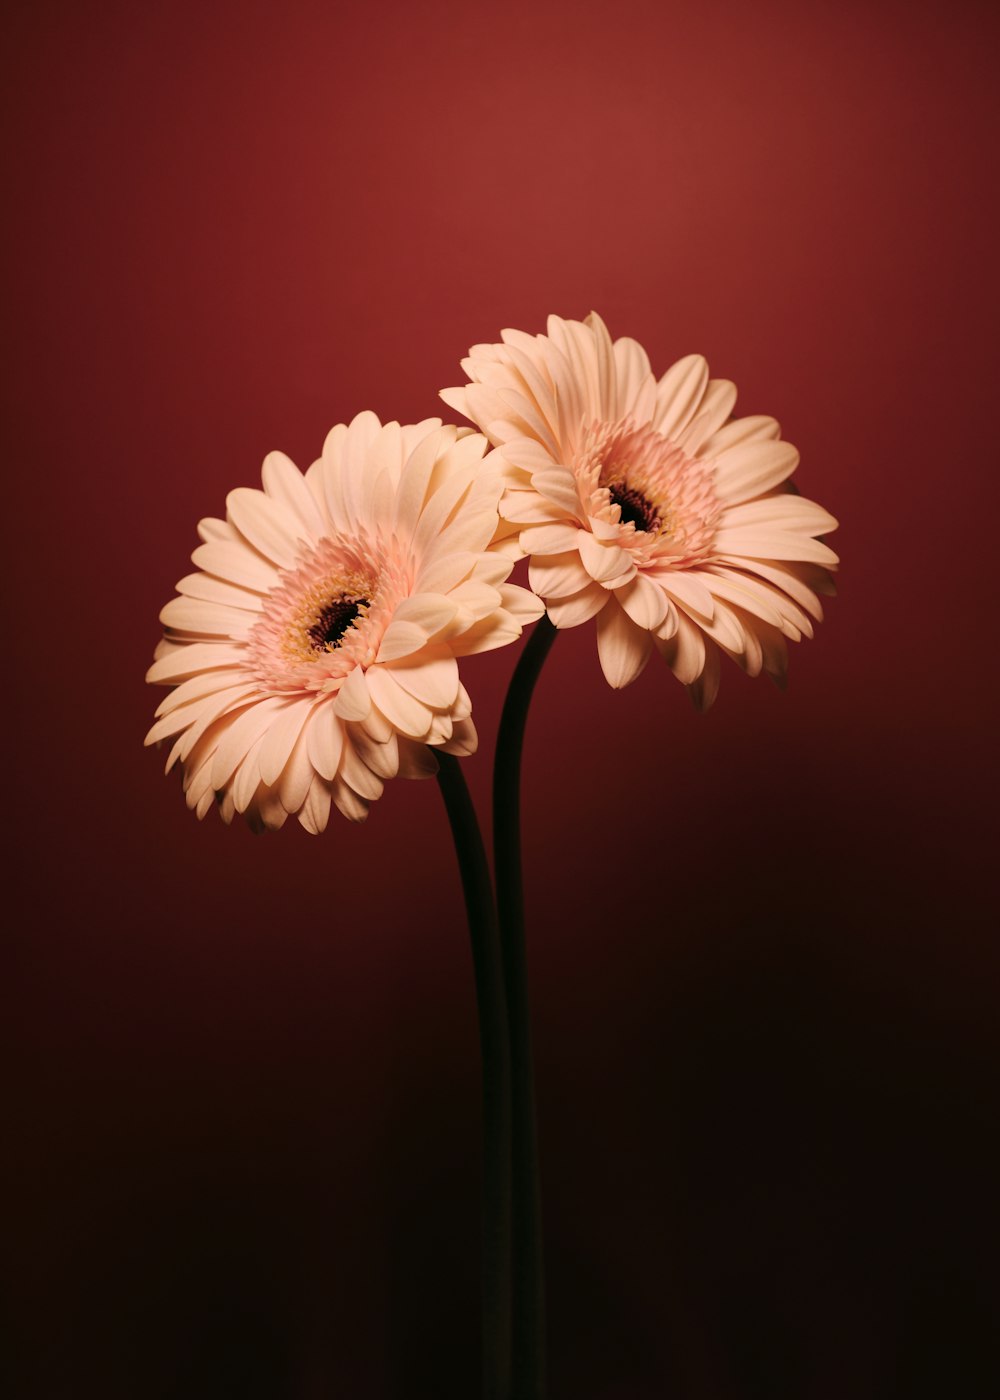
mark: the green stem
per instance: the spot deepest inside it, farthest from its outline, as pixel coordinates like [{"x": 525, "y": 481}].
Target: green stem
[
  {"x": 495, "y": 1050},
  {"x": 528, "y": 1318}
]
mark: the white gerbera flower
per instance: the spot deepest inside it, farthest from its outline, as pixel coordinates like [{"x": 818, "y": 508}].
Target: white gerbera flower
[
  {"x": 644, "y": 504},
  {"x": 313, "y": 655}
]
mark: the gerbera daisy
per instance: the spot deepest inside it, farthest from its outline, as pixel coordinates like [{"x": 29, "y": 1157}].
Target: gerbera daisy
[
  {"x": 643, "y": 503},
  {"x": 313, "y": 654}
]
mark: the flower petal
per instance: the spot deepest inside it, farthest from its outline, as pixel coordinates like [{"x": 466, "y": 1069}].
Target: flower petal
[{"x": 623, "y": 647}]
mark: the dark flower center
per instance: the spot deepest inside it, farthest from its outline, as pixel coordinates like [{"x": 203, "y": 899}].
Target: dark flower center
[
  {"x": 635, "y": 508},
  {"x": 327, "y": 632}
]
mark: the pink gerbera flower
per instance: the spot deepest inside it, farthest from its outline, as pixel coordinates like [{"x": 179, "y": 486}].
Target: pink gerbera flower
[
  {"x": 643, "y": 503},
  {"x": 313, "y": 655}
]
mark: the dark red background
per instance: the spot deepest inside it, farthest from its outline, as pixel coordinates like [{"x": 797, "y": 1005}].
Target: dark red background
[{"x": 243, "y": 1139}]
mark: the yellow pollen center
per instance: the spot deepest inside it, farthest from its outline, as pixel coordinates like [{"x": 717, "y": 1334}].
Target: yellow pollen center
[{"x": 327, "y": 610}]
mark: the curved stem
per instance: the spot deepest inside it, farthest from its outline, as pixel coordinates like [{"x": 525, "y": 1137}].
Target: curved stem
[
  {"x": 495, "y": 1050},
  {"x": 528, "y": 1317}
]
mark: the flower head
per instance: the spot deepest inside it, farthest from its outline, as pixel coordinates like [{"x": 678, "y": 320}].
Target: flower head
[
  {"x": 643, "y": 503},
  {"x": 313, "y": 655}
]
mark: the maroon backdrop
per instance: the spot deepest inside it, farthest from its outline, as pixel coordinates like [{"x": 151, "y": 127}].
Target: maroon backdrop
[{"x": 243, "y": 1143}]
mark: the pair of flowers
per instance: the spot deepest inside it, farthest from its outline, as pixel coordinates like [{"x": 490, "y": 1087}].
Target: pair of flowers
[{"x": 314, "y": 653}]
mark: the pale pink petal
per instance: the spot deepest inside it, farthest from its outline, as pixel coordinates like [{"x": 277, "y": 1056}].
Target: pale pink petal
[
  {"x": 753, "y": 467},
  {"x": 214, "y": 590},
  {"x": 325, "y": 740},
  {"x": 602, "y": 561},
  {"x": 353, "y": 698},
  {"x": 432, "y": 680},
  {"x": 557, "y": 575},
  {"x": 643, "y": 601},
  {"x": 267, "y": 524},
  {"x": 578, "y": 607},
  {"x": 623, "y": 648},
  {"x": 236, "y": 563},
  {"x": 679, "y": 395},
  {"x": 407, "y": 714},
  {"x": 280, "y": 740}
]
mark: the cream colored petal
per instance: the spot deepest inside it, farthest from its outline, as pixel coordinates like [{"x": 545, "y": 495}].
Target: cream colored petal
[
  {"x": 292, "y": 787},
  {"x": 348, "y": 803},
  {"x": 407, "y": 714},
  {"x": 755, "y": 428},
  {"x": 325, "y": 740},
  {"x": 715, "y": 409},
  {"x": 441, "y": 728},
  {"x": 605, "y": 364},
  {"x": 376, "y": 726},
  {"x": 462, "y": 708},
  {"x": 281, "y": 738},
  {"x": 688, "y": 589},
  {"x": 240, "y": 736},
  {"x": 381, "y": 759},
  {"x": 797, "y": 580},
  {"x": 438, "y": 575},
  {"x": 679, "y": 395},
  {"x": 315, "y": 813},
  {"x": 185, "y": 661},
  {"x": 213, "y": 590},
  {"x": 246, "y": 782},
  {"x": 787, "y": 512},
  {"x": 268, "y": 525},
  {"x": 524, "y": 413},
  {"x": 205, "y": 683},
  {"x": 744, "y": 596},
  {"x": 529, "y": 508},
  {"x": 704, "y": 690},
  {"x": 355, "y": 469},
  {"x": 550, "y": 539},
  {"x": 214, "y": 619},
  {"x": 414, "y": 483},
  {"x": 602, "y": 561},
  {"x": 578, "y": 607},
  {"x": 764, "y": 543},
  {"x": 623, "y": 647},
  {"x": 753, "y": 467},
  {"x": 416, "y": 760},
  {"x": 428, "y": 610},
  {"x": 455, "y": 398},
  {"x": 353, "y": 698},
  {"x": 212, "y": 529},
  {"x": 284, "y": 483},
  {"x": 557, "y": 575},
  {"x": 470, "y": 531},
  {"x": 201, "y": 711},
  {"x": 521, "y": 604},
  {"x": 433, "y": 680},
  {"x": 355, "y": 772},
  {"x": 492, "y": 569},
  {"x": 474, "y": 599},
  {"x": 401, "y": 639},
  {"x": 464, "y": 739},
  {"x": 684, "y": 652},
  {"x": 237, "y": 563},
  {"x": 724, "y": 627},
  {"x": 498, "y": 630},
  {"x": 644, "y": 602},
  {"x": 528, "y": 456},
  {"x": 636, "y": 386},
  {"x": 558, "y": 485}
]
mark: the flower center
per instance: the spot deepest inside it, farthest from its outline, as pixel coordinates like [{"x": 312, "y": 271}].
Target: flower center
[
  {"x": 636, "y": 509},
  {"x": 660, "y": 502},
  {"x": 327, "y": 614},
  {"x": 327, "y": 632}
]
